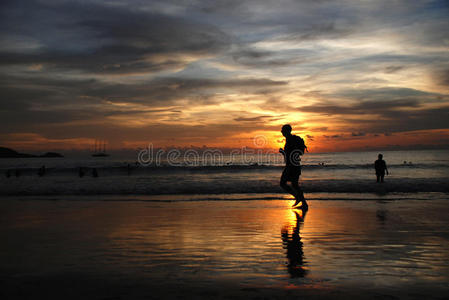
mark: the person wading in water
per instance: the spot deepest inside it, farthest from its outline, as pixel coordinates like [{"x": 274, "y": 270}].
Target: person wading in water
[{"x": 381, "y": 167}]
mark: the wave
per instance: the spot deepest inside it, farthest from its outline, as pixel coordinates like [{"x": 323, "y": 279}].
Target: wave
[
  {"x": 244, "y": 197},
  {"x": 117, "y": 170},
  {"x": 134, "y": 185}
]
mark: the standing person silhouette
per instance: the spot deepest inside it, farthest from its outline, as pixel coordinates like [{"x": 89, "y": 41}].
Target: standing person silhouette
[
  {"x": 293, "y": 149},
  {"x": 381, "y": 167}
]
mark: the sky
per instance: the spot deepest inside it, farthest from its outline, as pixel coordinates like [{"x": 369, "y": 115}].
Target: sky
[{"x": 348, "y": 75}]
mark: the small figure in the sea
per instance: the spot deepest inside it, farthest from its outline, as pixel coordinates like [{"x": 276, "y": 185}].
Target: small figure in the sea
[
  {"x": 381, "y": 167},
  {"x": 41, "y": 171},
  {"x": 8, "y": 173},
  {"x": 128, "y": 169},
  {"x": 80, "y": 172},
  {"x": 17, "y": 172},
  {"x": 94, "y": 172},
  {"x": 293, "y": 149}
]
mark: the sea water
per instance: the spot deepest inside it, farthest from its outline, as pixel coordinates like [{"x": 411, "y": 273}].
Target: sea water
[{"x": 345, "y": 172}]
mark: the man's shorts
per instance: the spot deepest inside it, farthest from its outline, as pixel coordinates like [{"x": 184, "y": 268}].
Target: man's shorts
[{"x": 291, "y": 173}]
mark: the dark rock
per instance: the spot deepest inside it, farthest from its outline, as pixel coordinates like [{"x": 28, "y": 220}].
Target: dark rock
[
  {"x": 51, "y": 154},
  {"x": 9, "y": 153}
]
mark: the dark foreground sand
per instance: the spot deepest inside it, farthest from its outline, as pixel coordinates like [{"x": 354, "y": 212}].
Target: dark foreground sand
[{"x": 88, "y": 249}]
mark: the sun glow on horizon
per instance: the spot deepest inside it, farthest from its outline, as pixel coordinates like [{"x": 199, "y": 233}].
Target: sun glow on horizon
[{"x": 346, "y": 76}]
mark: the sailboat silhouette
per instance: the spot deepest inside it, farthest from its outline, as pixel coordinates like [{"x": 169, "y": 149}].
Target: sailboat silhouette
[{"x": 100, "y": 149}]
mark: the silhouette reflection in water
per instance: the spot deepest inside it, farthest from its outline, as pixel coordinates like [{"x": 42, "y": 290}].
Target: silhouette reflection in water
[{"x": 292, "y": 243}]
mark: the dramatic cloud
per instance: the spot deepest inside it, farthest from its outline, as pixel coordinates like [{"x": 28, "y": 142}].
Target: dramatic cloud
[
  {"x": 196, "y": 72},
  {"x": 105, "y": 39}
]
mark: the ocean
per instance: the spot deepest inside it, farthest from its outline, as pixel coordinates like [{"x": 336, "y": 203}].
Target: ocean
[
  {"x": 231, "y": 176},
  {"x": 225, "y": 228}
]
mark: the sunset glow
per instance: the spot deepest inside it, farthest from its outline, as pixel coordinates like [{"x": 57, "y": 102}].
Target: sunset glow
[{"x": 347, "y": 75}]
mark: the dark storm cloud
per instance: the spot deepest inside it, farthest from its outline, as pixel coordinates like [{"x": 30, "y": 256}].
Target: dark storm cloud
[
  {"x": 259, "y": 119},
  {"x": 335, "y": 136},
  {"x": 358, "y": 134},
  {"x": 220, "y": 6},
  {"x": 27, "y": 102},
  {"x": 20, "y": 93},
  {"x": 165, "y": 111},
  {"x": 163, "y": 132},
  {"x": 387, "y": 94},
  {"x": 104, "y": 39},
  {"x": 61, "y": 64},
  {"x": 251, "y": 119},
  {"x": 319, "y": 128},
  {"x": 442, "y": 77},
  {"x": 393, "y": 69},
  {"x": 387, "y": 110},
  {"x": 30, "y": 100},
  {"x": 387, "y": 63},
  {"x": 318, "y": 29},
  {"x": 256, "y": 58},
  {"x": 159, "y": 91},
  {"x": 401, "y": 121},
  {"x": 396, "y": 116},
  {"x": 368, "y": 107}
]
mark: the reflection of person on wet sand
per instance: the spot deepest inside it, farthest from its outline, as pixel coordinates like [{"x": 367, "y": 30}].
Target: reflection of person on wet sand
[
  {"x": 381, "y": 167},
  {"x": 292, "y": 243},
  {"x": 293, "y": 149}
]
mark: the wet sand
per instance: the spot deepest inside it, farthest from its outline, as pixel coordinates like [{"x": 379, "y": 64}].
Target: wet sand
[{"x": 90, "y": 249}]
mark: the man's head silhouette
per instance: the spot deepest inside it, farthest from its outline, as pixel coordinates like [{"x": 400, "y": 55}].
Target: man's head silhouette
[
  {"x": 380, "y": 156},
  {"x": 286, "y": 130}
]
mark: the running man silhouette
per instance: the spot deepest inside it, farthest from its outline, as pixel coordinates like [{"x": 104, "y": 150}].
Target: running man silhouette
[
  {"x": 381, "y": 167},
  {"x": 293, "y": 149}
]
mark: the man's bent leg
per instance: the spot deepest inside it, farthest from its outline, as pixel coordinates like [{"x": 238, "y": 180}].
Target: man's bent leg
[
  {"x": 287, "y": 188},
  {"x": 283, "y": 183},
  {"x": 299, "y": 194}
]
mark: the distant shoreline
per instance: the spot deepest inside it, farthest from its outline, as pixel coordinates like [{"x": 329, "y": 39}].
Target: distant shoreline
[{"x": 10, "y": 153}]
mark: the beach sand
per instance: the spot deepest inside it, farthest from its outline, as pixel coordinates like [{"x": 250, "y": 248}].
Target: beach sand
[{"x": 83, "y": 248}]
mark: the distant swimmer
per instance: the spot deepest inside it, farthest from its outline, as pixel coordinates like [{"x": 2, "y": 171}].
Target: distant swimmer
[
  {"x": 41, "y": 172},
  {"x": 381, "y": 167},
  {"x": 293, "y": 149}
]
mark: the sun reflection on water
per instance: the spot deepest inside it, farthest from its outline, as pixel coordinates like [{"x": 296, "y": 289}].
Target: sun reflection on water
[{"x": 291, "y": 240}]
